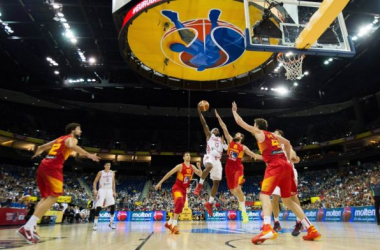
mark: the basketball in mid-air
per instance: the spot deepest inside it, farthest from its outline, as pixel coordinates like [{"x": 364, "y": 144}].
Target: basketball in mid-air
[{"x": 203, "y": 105}]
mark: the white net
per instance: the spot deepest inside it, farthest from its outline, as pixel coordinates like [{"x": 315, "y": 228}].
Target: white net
[{"x": 292, "y": 64}]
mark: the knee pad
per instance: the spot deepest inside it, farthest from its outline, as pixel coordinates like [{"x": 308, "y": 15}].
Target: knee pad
[
  {"x": 178, "y": 206},
  {"x": 113, "y": 207},
  {"x": 97, "y": 212}
]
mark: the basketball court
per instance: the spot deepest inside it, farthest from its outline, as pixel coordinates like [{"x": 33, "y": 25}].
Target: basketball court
[{"x": 194, "y": 235}]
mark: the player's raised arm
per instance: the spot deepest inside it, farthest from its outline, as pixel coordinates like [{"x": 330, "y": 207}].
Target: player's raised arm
[
  {"x": 253, "y": 155},
  {"x": 113, "y": 184},
  {"x": 204, "y": 125},
  {"x": 198, "y": 169},
  {"x": 170, "y": 173},
  {"x": 252, "y": 129},
  {"x": 96, "y": 182},
  {"x": 72, "y": 143},
  {"x": 224, "y": 127},
  {"x": 43, "y": 148}
]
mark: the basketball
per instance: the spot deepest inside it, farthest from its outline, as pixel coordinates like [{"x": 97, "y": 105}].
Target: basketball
[
  {"x": 203, "y": 105},
  {"x": 122, "y": 216}
]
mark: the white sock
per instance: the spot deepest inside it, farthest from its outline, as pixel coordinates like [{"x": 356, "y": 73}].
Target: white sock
[
  {"x": 276, "y": 219},
  {"x": 111, "y": 219},
  {"x": 242, "y": 205},
  {"x": 170, "y": 221},
  {"x": 95, "y": 221},
  {"x": 298, "y": 220},
  {"x": 267, "y": 220},
  {"x": 31, "y": 223},
  {"x": 306, "y": 223},
  {"x": 211, "y": 199},
  {"x": 201, "y": 181},
  {"x": 175, "y": 223}
]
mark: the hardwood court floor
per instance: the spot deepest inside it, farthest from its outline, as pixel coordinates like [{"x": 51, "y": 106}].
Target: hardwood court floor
[{"x": 194, "y": 236}]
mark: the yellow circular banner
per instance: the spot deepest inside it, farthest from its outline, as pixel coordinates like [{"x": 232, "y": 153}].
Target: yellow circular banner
[{"x": 198, "y": 40}]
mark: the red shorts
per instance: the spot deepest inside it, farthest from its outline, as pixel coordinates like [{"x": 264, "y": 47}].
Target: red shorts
[
  {"x": 235, "y": 175},
  {"x": 178, "y": 193},
  {"x": 50, "y": 180},
  {"x": 279, "y": 173}
]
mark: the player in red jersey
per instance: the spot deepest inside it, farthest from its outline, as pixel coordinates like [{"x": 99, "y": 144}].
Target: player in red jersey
[
  {"x": 184, "y": 175},
  {"x": 279, "y": 173},
  {"x": 277, "y": 193},
  {"x": 50, "y": 176},
  {"x": 234, "y": 168}
]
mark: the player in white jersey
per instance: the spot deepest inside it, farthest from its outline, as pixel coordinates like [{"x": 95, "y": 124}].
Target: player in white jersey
[
  {"x": 277, "y": 194},
  {"x": 106, "y": 194},
  {"x": 211, "y": 161}
]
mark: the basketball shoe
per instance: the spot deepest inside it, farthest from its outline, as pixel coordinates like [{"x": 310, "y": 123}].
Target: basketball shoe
[
  {"x": 245, "y": 217},
  {"x": 168, "y": 226},
  {"x": 27, "y": 235},
  {"x": 208, "y": 206},
  {"x": 267, "y": 234},
  {"x": 297, "y": 229},
  {"x": 277, "y": 226},
  {"x": 112, "y": 225},
  {"x": 175, "y": 230},
  {"x": 36, "y": 236},
  {"x": 312, "y": 234},
  {"x": 198, "y": 189},
  {"x": 95, "y": 227}
]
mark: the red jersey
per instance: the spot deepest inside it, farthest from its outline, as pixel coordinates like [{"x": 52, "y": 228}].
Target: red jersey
[
  {"x": 270, "y": 148},
  {"x": 58, "y": 153},
  {"x": 184, "y": 176},
  {"x": 235, "y": 153}
]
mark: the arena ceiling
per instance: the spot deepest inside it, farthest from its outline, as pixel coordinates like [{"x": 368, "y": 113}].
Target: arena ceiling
[{"x": 38, "y": 34}]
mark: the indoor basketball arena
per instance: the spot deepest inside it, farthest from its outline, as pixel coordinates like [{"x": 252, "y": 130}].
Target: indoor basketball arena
[{"x": 177, "y": 124}]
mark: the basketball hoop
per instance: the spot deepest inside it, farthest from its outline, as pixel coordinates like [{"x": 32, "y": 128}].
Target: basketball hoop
[{"x": 292, "y": 63}]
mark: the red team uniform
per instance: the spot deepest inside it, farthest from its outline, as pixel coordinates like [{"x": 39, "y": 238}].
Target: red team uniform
[
  {"x": 279, "y": 171},
  {"x": 50, "y": 171},
  {"x": 234, "y": 169},
  {"x": 179, "y": 188}
]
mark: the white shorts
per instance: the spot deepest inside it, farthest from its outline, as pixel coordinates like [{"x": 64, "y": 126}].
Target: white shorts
[
  {"x": 277, "y": 190},
  {"x": 107, "y": 195},
  {"x": 217, "y": 170}
]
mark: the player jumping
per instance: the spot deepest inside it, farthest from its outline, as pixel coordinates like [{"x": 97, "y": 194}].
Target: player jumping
[
  {"x": 234, "y": 168},
  {"x": 277, "y": 173},
  {"x": 50, "y": 176},
  {"x": 211, "y": 161},
  {"x": 184, "y": 175}
]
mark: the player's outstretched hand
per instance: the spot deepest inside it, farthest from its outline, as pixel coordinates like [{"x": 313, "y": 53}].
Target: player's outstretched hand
[
  {"x": 234, "y": 107},
  {"x": 95, "y": 192},
  {"x": 93, "y": 157},
  {"x": 198, "y": 165},
  {"x": 217, "y": 114},
  {"x": 158, "y": 186}
]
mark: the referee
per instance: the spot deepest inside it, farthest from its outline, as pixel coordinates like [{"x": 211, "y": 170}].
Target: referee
[{"x": 375, "y": 194}]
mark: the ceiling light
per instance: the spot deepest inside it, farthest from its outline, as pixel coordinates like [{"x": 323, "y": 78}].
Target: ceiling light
[
  {"x": 56, "y": 72},
  {"x": 92, "y": 60},
  {"x": 295, "y": 84},
  {"x": 60, "y": 14},
  {"x": 354, "y": 38},
  {"x": 282, "y": 90},
  {"x": 56, "y": 6},
  {"x": 66, "y": 25},
  {"x": 63, "y": 20},
  {"x": 262, "y": 88},
  {"x": 327, "y": 62},
  {"x": 49, "y": 59},
  {"x": 69, "y": 34},
  {"x": 306, "y": 73},
  {"x": 73, "y": 40},
  {"x": 266, "y": 88}
]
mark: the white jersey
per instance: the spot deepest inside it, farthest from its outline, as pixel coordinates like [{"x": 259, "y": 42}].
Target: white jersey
[
  {"x": 106, "y": 179},
  {"x": 214, "y": 146},
  {"x": 283, "y": 149}
]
